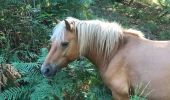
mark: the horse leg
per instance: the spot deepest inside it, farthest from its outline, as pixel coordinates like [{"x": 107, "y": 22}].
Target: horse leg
[
  {"x": 119, "y": 84},
  {"x": 120, "y": 96},
  {"x": 120, "y": 91}
]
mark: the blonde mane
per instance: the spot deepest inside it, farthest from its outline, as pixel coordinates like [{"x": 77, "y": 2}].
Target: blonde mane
[
  {"x": 97, "y": 34},
  {"x": 103, "y": 36}
]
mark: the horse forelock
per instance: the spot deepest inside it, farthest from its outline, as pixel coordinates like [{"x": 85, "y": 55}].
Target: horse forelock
[
  {"x": 60, "y": 29},
  {"x": 58, "y": 32}
]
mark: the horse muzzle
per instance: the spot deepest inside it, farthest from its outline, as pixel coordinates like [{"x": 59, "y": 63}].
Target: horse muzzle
[{"x": 49, "y": 70}]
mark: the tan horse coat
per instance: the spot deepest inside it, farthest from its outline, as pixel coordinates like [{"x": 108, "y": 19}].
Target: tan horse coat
[{"x": 139, "y": 62}]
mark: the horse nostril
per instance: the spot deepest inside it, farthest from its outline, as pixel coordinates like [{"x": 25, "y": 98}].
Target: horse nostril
[{"x": 45, "y": 71}]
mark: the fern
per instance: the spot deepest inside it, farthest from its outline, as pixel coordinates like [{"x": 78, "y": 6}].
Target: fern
[
  {"x": 33, "y": 77},
  {"x": 25, "y": 68},
  {"x": 14, "y": 93},
  {"x": 43, "y": 53},
  {"x": 44, "y": 90},
  {"x": 2, "y": 59},
  {"x": 69, "y": 83}
]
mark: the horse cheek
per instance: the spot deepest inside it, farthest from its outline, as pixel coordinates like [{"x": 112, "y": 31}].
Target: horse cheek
[{"x": 72, "y": 54}]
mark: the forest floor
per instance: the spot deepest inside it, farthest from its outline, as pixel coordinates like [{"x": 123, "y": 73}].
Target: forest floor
[{"x": 143, "y": 17}]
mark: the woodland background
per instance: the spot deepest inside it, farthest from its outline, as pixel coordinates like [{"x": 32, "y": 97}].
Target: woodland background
[{"x": 25, "y": 29}]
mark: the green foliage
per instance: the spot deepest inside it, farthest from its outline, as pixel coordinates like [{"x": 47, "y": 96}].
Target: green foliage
[
  {"x": 150, "y": 27},
  {"x": 165, "y": 35},
  {"x": 21, "y": 35},
  {"x": 2, "y": 60},
  {"x": 14, "y": 93},
  {"x": 164, "y": 3},
  {"x": 25, "y": 26},
  {"x": 77, "y": 8}
]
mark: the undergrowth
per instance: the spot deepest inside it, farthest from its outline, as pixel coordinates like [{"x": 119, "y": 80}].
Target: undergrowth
[
  {"x": 78, "y": 81},
  {"x": 25, "y": 29}
]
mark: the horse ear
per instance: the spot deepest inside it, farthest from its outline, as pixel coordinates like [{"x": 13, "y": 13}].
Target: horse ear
[{"x": 68, "y": 27}]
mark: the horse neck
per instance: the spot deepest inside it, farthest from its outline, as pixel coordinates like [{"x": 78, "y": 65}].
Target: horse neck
[{"x": 98, "y": 59}]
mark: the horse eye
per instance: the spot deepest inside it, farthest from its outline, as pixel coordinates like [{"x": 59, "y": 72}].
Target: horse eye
[{"x": 64, "y": 44}]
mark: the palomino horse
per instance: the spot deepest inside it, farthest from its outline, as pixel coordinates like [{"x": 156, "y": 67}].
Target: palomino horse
[{"x": 125, "y": 58}]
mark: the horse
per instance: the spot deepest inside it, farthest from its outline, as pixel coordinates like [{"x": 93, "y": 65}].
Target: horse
[{"x": 125, "y": 59}]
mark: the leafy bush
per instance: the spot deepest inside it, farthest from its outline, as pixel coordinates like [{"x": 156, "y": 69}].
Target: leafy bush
[
  {"x": 25, "y": 26},
  {"x": 21, "y": 35},
  {"x": 165, "y": 35}
]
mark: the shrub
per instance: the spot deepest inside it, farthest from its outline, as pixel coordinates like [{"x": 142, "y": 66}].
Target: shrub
[{"x": 165, "y": 35}]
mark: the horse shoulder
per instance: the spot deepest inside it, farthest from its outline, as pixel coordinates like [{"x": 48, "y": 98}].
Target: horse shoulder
[{"x": 116, "y": 78}]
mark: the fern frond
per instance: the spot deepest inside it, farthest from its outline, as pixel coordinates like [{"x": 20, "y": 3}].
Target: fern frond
[
  {"x": 32, "y": 54},
  {"x": 2, "y": 59},
  {"x": 25, "y": 68},
  {"x": 14, "y": 93},
  {"x": 44, "y": 91},
  {"x": 32, "y": 77},
  {"x": 43, "y": 53}
]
